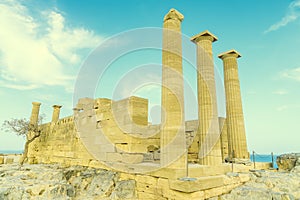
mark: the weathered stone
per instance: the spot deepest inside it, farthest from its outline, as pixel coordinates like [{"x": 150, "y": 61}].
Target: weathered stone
[
  {"x": 124, "y": 190},
  {"x": 132, "y": 158},
  {"x": 9, "y": 161},
  {"x": 102, "y": 183},
  {"x": 55, "y": 114},
  {"x": 235, "y": 119},
  {"x": 198, "y": 184},
  {"x": 35, "y": 113},
  {"x": 1, "y": 160},
  {"x": 245, "y": 193},
  {"x": 172, "y": 141},
  {"x": 267, "y": 185},
  {"x": 148, "y": 157},
  {"x": 296, "y": 169},
  {"x": 209, "y": 131},
  {"x": 288, "y": 161}
]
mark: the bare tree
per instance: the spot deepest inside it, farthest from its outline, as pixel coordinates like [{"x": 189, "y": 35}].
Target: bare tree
[{"x": 23, "y": 127}]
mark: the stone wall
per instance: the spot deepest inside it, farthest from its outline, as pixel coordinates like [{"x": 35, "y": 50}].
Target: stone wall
[
  {"x": 124, "y": 124},
  {"x": 60, "y": 141},
  {"x": 9, "y": 158}
]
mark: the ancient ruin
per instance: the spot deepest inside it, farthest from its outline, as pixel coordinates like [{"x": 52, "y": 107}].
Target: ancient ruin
[{"x": 175, "y": 160}]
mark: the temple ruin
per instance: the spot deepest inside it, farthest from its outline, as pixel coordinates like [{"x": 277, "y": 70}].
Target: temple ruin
[{"x": 177, "y": 159}]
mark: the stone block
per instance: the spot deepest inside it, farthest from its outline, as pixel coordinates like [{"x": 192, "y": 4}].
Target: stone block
[
  {"x": 113, "y": 157},
  {"x": 156, "y": 155},
  {"x": 148, "y": 157},
  {"x": 196, "y": 170},
  {"x": 244, "y": 177},
  {"x": 173, "y": 194},
  {"x": 132, "y": 158},
  {"x": 148, "y": 180},
  {"x": 138, "y": 148},
  {"x": 213, "y": 192},
  {"x": 228, "y": 188},
  {"x": 126, "y": 176},
  {"x": 1, "y": 160},
  {"x": 144, "y": 195},
  {"x": 228, "y": 180},
  {"x": 9, "y": 160},
  {"x": 122, "y": 147},
  {"x": 169, "y": 173},
  {"x": 162, "y": 186},
  {"x": 96, "y": 164},
  {"x": 147, "y": 188},
  {"x": 202, "y": 183}
]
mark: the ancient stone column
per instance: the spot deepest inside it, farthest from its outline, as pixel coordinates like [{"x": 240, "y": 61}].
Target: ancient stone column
[
  {"x": 224, "y": 138},
  {"x": 237, "y": 143},
  {"x": 208, "y": 131},
  {"x": 173, "y": 142},
  {"x": 55, "y": 114},
  {"x": 35, "y": 113}
]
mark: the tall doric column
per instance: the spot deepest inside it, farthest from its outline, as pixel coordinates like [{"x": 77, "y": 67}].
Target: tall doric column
[
  {"x": 173, "y": 131},
  {"x": 224, "y": 138},
  {"x": 208, "y": 131},
  {"x": 237, "y": 144},
  {"x": 35, "y": 113},
  {"x": 55, "y": 114}
]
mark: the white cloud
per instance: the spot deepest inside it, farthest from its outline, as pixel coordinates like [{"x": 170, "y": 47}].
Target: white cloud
[
  {"x": 285, "y": 107},
  {"x": 280, "y": 92},
  {"x": 292, "y": 14},
  {"x": 282, "y": 108},
  {"x": 39, "y": 51},
  {"x": 293, "y": 74}
]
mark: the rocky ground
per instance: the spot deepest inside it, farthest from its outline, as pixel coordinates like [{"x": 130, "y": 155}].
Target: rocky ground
[
  {"x": 268, "y": 185},
  {"x": 54, "y": 182},
  {"x": 283, "y": 185}
]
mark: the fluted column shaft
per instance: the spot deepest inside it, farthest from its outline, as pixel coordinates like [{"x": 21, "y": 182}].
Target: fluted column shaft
[
  {"x": 208, "y": 132},
  {"x": 224, "y": 138},
  {"x": 234, "y": 112},
  {"x": 173, "y": 131},
  {"x": 55, "y": 114},
  {"x": 35, "y": 113}
]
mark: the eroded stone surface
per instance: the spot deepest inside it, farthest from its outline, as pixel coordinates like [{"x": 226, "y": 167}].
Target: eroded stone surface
[
  {"x": 55, "y": 182},
  {"x": 267, "y": 185},
  {"x": 288, "y": 161}
]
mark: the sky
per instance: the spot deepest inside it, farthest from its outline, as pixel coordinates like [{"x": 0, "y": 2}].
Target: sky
[{"x": 45, "y": 46}]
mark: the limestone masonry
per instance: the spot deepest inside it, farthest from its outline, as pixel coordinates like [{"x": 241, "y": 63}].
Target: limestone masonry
[{"x": 177, "y": 159}]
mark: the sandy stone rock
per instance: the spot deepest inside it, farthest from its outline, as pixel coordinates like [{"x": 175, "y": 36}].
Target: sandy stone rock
[
  {"x": 245, "y": 193},
  {"x": 1, "y": 160},
  {"x": 268, "y": 185},
  {"x": 45, "y": 182},
  {"x": 9, "y": 161},
  {"x": 296, "y": 169},
  {"x": 124, "y": 190},
  {"x": 288, "y": 161}
]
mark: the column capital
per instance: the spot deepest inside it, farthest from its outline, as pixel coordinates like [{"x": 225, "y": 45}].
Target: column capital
[
  {"x": 36, "y": 103},
  {"x": 205, "y": 35},
  {"x": 173, "y": 14},
  {"x": 230, "y": 53},
  {"x": 56, "y": 106}
]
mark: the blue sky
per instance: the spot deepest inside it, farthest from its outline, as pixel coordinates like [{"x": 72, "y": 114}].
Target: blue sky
[{"x": 44, "y": 44}]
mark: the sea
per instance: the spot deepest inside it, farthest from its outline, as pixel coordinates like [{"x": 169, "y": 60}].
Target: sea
[
  {"x": 264, "y": 158},
  {"x": 11, "y": 151}
]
